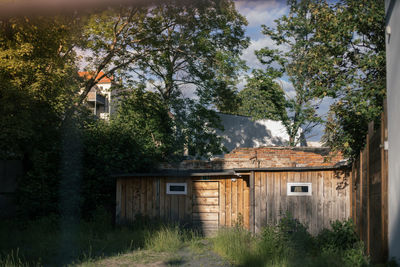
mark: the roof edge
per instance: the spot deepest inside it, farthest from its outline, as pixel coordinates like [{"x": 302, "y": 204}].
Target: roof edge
[{"x": 225, "y": 172}]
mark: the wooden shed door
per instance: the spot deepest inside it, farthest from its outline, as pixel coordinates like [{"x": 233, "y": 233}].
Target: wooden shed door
[{"x": 206, "y": 205}]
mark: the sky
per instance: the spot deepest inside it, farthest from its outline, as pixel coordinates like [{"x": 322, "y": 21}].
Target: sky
[{"x": 266, "y": 12}]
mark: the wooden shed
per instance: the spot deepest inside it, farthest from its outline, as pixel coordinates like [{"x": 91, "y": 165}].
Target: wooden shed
[{"x": 252, "y": 196}]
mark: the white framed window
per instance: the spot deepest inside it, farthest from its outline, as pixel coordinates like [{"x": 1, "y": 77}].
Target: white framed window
[
  {"x": 299, "y": 189},
  {"x": 176, "y": 188}
]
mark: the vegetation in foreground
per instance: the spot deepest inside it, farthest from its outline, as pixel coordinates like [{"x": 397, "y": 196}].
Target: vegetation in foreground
[
  {"x": 289, "y": 244},
  {"x": 52, "y": 241},
  {"x": 56, "y": 242}
]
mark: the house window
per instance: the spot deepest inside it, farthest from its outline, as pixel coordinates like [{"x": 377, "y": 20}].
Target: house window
[
  {"x": 299, "y": 189},
  {"x": 176, "y": 188}
]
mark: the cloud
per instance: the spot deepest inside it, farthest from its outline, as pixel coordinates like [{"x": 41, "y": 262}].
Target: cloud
[
  {"x": 287, "y": 87},
  {"x": 249, "y": 56},
  {"x": 261, "y": 12},
  {"x": 258, "y": 13}
]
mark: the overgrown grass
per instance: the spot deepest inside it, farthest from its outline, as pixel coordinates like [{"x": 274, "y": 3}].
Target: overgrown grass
[
  {"x": 289, "y": 244},
  {"x": 166, "y": 239},
  {"x": 56, "y": 241}
]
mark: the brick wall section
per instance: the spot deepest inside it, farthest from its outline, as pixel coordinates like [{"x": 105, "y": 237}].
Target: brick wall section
[{"x": 265, "y": 157}]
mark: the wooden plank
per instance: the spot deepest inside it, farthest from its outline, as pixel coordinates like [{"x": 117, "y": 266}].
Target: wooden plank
[
  {"x": 257, "y": 196},
  {"x": 308, "y": 201},
  {"x": 240, "y": 201},
  {"x": 277, "y": 195},
  {"x": 314, "y": 218},
  {"x": 123, "y": 199},
  {"x": 118, "y": 201},
  {"x": 129, "y": 200},
  {"x": 149, "y": 194},
  {"x": 264, "y": 200},
  {"x": 252, "y": 204},
  {"x": 362, "y": 195},
  {"x": 197, "y": 185},
  {"x": 136, "y": 197},
  {"x": 206, "y": 208},
  {"x": 189, "y": 200},
  {"x": 167, "y": 203},
  {"x": 205, "y": 193},
  {"x": 142, "y": 196},
  {"x": 222, "y": 212},
  {"x": 283, "y": 193},
  {"x": 320, "y": 207},
  {"x": 327, "y": 199},
  {"x": 156, "y": 197},
  {"x": 182, "y": 206},
  {"x": 205, "y": 200},
  {"x": 162, "y": 198},
  {"x": 234, "y": 202},
  {"x": 246, "y": 204},
  {"x": 206, "y": 216},
  {"x": 174, "y": 208},
  {"x": 228, "y": 199}
]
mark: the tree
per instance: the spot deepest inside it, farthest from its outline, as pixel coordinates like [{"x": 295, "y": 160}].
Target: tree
[
  {"x": 192, "y": 64},
  {"x": 37, "y": 79},
  {"x": 342, "y": 56},
  {"x": 264, "y": 98},
  {"x": 38, "y": 83}
]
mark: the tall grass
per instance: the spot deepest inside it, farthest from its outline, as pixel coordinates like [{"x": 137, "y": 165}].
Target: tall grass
[
  {"x": 52, "y": 241},
  {"x": 234, "y": 244},
  {"x": 289, "y": 244},
  {"x": 166, "y": 239}
]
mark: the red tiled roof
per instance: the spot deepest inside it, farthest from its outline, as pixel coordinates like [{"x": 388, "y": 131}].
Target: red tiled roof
[{"x": 103, "y": 80}]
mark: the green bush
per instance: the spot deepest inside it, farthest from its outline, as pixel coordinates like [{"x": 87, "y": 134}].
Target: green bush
[
  {"x": 289, "y": 244},
  {"x": 342, "y": 235}
]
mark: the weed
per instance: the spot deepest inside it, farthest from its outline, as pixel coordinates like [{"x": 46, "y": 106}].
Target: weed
[
  {"x": 167, "y": 239},
  {"x": 234, "y": 244},
  {"x": 289, "y": 244}
]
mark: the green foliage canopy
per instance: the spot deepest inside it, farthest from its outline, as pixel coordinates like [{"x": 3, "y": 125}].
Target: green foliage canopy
[{"x": 341, "y": 55}]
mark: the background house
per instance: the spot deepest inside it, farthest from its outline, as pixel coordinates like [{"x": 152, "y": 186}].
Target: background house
[
  {"x": 101, "y": 97},
  {"x": 242, "y": 131}
]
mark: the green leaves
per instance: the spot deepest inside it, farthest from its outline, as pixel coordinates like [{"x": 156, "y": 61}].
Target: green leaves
[{"x": 331, "y": 50}]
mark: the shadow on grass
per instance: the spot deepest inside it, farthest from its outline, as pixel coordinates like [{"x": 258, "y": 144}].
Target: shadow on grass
[
  {"x": 175, "y": 262},
  {"x": 57, "y": 242}
]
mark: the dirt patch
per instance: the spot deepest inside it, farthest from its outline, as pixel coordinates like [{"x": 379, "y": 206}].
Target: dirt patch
[{"x": 195, "y": 254}]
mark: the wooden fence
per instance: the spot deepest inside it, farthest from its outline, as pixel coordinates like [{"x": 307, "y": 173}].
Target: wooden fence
[{"x": 369, "y": 208}]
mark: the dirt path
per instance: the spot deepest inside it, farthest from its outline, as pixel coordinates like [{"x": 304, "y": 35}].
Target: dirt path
[{"x": 199, "y": 255}]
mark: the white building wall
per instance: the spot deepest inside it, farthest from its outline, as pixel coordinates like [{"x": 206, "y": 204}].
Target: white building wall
[
  {"x": 393, "y": 97},
  {"x": 241, "y": 131}
]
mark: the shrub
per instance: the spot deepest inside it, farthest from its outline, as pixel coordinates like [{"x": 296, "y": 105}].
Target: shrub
[
  {"x": 289, "y": 244},
  {"x": 342, "y": 235},
  {"x": 295, "y": 234}
]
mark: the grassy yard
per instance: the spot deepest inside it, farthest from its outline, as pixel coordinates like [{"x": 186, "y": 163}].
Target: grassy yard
[{"x": 54, "y": 242}]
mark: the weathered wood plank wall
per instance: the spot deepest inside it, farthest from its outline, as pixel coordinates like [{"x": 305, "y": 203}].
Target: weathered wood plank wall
[
  {"x": 330, "y": 199},
  {"x": 369, "y": 192},
  {"x": 253, "y": 200},
  {"x": 219, "y": 201}
]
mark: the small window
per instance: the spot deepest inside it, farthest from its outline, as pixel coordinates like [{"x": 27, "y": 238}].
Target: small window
[
  {"x": 299, "y": 189},
  {"x": 176, "y": 188}
]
